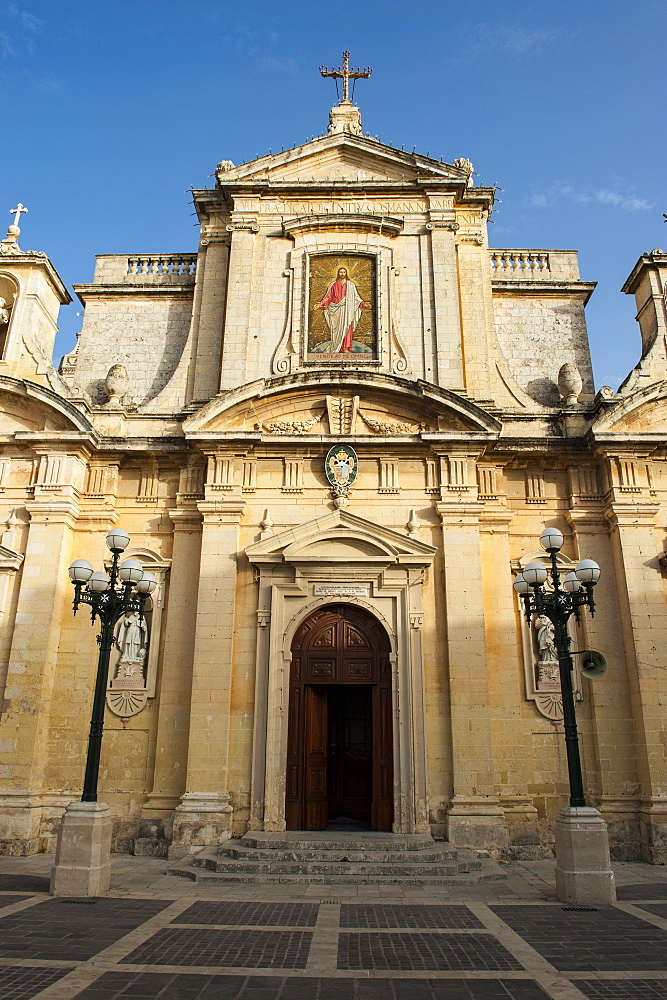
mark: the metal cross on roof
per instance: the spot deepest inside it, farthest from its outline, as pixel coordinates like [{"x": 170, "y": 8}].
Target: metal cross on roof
[{"x": 346, "y": 74}]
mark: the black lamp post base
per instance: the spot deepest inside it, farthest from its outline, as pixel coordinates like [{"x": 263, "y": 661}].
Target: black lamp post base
[
  {"x": 83, "y": 864},
  {"x": 583, "y": 868}
]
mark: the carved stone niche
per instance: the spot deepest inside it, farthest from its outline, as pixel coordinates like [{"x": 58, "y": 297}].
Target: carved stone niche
[
  {"x": 541, "y": 670},
  {"x": 134, "y": 659},
  {"x": 8, "y": 296}
]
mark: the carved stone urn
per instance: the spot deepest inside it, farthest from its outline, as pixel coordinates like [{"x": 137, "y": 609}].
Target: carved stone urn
[
  {"x": 116, "y": 384},
  {"x": 570, "y": 383}
]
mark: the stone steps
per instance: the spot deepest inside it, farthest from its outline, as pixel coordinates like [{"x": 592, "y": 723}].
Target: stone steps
[
  {"x": 336, "y": 859},
  {"x": 341, "y": 855},
  {"x": 303, "y": 840}
]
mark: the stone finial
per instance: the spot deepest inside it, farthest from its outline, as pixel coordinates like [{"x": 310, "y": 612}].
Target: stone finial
[
  {"x": 464, "y": 164},
  {"x": 570, "y": 383},
  {"x": 225, "y": 166},
  {"x": 266, "y": 524},
  {"x": 116, "y": 384},
  {"x": 413, "y": 525}
]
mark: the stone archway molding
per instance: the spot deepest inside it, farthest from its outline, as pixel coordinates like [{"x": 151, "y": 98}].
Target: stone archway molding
[{"x": 339, "y": 557}]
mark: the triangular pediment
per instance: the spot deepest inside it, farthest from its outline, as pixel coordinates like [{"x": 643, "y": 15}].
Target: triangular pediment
[
  {"x": 341, "y": 538},
  {"x": 342, "y": 157}
]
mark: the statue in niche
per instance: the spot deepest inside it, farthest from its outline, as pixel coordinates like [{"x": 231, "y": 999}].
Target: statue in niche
[
  {"x": 4, "y": 312},
  {"x": 547, "y": 667},
  {"x": 131, "y": 641}
]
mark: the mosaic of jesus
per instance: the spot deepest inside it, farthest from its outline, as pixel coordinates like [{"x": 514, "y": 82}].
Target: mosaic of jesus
[{"x": 342, "y": 295}]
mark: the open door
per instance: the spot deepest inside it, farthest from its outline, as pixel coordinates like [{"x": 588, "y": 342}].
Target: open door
[
  {"x": 339, "y": 743},
  {"x": 315, "y": 758}
]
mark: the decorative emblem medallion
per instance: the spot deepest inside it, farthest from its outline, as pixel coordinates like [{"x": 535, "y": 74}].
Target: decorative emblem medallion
[{"x": 341, "y": 466}]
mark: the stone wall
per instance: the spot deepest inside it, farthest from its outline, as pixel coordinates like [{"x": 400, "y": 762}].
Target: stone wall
[
  {"x": 537, "y": 335},
  {"x": 146, "y": 333}
]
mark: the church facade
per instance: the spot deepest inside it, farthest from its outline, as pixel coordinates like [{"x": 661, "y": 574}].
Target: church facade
[{"x": 334, "y": 434}]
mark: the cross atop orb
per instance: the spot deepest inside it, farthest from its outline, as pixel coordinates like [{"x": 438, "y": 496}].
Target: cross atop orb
[
  {"x": 346, "y": 74},
  {"x": 16, "y": 212}
]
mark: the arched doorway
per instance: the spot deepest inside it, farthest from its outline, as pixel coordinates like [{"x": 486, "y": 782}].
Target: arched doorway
[{"x": 339, "y": 748}]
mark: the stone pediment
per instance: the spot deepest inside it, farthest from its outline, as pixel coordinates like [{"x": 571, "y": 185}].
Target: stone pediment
[
  {"x": 313, "y": 406},
  {"x": 341, "y": 538},
  {"x": 341, "y": 157},
  {"x": 641, "y": 415}
]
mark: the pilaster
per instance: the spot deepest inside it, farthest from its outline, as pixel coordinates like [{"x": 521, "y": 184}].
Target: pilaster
[
  {"x": 210, "y": 316},
  {"x": 204, "y": 815},
  {"x": 449, "y": 347},
  {"x": 475, "y": 818},
  {"x": 238, "y": 313},
  {"x": 476, "y": 312},
  {"x": 644, "y": 618},
  {"x": 609, "y": 697},
  {"x": 25, "y": 721},
  {"x": 505, "y": 680},
  {"x": 171, "y": 757}
]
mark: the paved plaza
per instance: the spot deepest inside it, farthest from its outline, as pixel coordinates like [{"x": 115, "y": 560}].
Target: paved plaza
[{"x": 158, "y": 936}]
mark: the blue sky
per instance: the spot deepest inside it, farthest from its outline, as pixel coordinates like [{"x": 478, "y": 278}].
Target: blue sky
[{"x": 112, "y": 111}]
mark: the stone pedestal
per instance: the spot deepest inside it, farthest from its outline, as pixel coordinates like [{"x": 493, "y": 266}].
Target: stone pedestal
[
  {"x": 201, "y": 820},
  {"x": 583, "y": 868},
  {"x": 83, "y": 865}
]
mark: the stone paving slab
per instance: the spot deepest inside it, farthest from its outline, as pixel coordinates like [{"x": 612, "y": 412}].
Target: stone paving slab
[
  {"x": 241, "y": 949},
  {"x": 123, "y": 986},
  {"x": 412, "y": 937},
  {"x": 432, "y": 951},
  {"x": 18, "y": 882},
  {"x": 248, "y": 914},
  {"x": 9, "y": 898},
  {"x": 645, "y": 890},
  {"x": 446, "y": 917},
  {"x": 623, "y": 989},
  {"x": 659, "y": 909},
  {"x": 604, "y": 938},
  {"x": 25, "y": 982},
  {"x": 65, "y": 930}
]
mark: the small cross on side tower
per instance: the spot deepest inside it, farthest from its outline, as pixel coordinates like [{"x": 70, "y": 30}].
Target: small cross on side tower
[
  {"x": 346, "y": 74},
  {"x": 17, "y": 212}
]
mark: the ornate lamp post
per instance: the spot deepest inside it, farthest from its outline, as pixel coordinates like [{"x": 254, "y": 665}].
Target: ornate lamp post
[
  {"x": 82, "y": 857},
  {"x": 583, "y": 872}
]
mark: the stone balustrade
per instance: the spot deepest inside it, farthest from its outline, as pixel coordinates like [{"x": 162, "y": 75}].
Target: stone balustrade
[
  {"x": 519, "y": 263},
  {"x": 163, "y": 267},
  {"x": 534, "y": 265}
]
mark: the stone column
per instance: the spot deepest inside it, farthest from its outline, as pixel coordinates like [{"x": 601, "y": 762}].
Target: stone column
[
  {"x": 205, "y": 371},
  {"x": 644, "y": 621},
  {"x": 44, "y": 598},
  {"x": 506, "y": 684},
  {"x": 171, "y": 753},
  {"x": 475, "y": 818},
  {"x": 204, "y": 815},
  {"x": 609, "y": 696}
]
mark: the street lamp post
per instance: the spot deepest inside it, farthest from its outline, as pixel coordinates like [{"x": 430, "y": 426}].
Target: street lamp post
[
  {"x": 84, "y": 839},
  {"x": 583, "y": 870}
]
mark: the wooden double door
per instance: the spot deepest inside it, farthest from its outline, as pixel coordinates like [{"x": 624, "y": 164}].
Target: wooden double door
[{"x": 340, "y": 753}]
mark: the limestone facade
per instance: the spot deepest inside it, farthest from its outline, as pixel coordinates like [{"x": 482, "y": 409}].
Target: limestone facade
[{"x": 211, "y": 455}]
